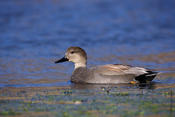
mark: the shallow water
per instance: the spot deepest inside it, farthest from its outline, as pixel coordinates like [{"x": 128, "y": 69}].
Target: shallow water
[{"x": 35, "y": 33}]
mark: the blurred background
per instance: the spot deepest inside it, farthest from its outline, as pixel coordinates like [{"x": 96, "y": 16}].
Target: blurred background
[{"x": 35, "y": 33}]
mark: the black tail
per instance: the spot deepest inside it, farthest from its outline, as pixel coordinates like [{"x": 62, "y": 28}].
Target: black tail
[{"x": 147, "y": 77}]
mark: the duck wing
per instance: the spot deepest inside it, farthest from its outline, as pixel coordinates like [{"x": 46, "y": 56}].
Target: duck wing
[{"x": 116, "y": 70}]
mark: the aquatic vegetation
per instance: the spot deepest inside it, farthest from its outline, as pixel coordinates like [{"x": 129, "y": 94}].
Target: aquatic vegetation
[
  {"x": 33, "y": 33},
  {"x": 83, "y": 103},
  {"x": 9, "y": 112}
]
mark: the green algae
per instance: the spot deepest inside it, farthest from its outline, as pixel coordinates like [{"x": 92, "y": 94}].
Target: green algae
[{"x": 92, "y": 103}]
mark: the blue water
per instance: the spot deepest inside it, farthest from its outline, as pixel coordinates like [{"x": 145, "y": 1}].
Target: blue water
[{"x": 35, "y": 33}]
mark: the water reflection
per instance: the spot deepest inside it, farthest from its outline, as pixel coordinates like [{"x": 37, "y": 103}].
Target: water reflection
[
  {"x": 123, "y": 96},
  {"x": 34, "y": 33},
  {"x": 86, "y": 88},
  {"x": 152, "y": 85}
]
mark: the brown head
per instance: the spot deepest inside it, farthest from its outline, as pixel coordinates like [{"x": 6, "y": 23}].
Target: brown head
[{"x": 76, "y": 55}]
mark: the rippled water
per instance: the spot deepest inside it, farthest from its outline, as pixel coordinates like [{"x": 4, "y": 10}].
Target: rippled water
[{"x": 35, "y": 33}]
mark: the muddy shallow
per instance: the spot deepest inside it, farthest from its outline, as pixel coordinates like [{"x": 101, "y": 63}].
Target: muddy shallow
[{"x": 33, "y": 34}]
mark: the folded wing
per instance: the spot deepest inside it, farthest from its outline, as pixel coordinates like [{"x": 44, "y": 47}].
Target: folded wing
[{"x": 138, "y": 73}]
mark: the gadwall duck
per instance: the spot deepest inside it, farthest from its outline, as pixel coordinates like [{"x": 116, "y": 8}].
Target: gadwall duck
[{"x": 105, "y": 74}]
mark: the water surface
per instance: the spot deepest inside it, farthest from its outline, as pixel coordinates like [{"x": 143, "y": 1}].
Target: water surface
[{"x": 35, "y": 33}]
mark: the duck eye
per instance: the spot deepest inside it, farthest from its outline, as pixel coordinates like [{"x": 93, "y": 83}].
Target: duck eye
[{"x": 72, "y": 52}]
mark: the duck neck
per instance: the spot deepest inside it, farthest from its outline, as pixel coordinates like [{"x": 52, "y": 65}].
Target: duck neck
[{"x": 77, "y": 65}]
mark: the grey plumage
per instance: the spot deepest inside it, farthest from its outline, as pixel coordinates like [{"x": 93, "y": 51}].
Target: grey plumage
[{"x": 106, "y": 74}]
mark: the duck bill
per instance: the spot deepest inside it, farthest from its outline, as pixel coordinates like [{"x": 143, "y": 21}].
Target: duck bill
[{"x": 64, "y": 59}]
